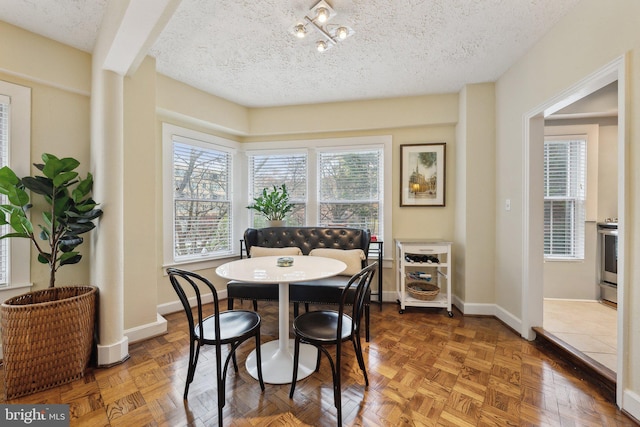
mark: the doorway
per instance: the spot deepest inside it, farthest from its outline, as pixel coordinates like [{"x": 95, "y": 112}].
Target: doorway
[
  {"x": 533, "y": 247},
  {"x": 576, "y": 311}
]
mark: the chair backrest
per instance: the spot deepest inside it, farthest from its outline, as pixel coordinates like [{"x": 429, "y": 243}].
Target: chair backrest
[
  {"x": 355, "y": 292},
  {"x": 179, "y": 280}
]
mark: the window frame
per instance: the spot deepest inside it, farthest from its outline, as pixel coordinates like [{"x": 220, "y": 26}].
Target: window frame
[
  {"x": 19, "y": 155},
  {"x": 204, "y": 140}
]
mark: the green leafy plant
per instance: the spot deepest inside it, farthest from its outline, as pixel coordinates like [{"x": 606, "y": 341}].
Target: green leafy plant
[
  {"x": 70, "y": 213},
  {"x": 273, "y": 204}
]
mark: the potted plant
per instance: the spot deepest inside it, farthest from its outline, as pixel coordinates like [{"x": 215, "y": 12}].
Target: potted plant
[
  {"x": 273, "y": 204},
  {"x": 47, "y": 335}
]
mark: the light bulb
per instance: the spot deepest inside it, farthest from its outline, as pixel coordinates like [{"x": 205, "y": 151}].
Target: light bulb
[
  {"x": 321, "y": 46},
  {"x": 342, "y": 33},
  {"x": 300, "y": 31},
  {"x": 323, "y": 14}
]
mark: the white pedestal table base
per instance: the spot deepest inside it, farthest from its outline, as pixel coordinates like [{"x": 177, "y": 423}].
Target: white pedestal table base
[{"x": 277, "y": 365}]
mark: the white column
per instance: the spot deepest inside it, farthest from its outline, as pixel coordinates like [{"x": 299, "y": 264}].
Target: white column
[{"x": 107, "y": 262}]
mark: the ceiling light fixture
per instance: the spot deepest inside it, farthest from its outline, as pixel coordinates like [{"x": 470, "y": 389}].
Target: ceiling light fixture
[
  {"x": 322, "y": 14},
  {"x": 300, "y": 31},
  {"x": 331, "y": 34},
  {"x": 321, "y": 46}
]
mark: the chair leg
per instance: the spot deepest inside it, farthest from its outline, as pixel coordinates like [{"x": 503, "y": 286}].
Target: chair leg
[
  {"x": 296, "y": 309},
  {"x": 357, "y": 345},
  {"x": 296, "y": 357},
  {"x": 337, "y": 394},
  {"x": 318, "y": 361},
  {"x": 259, "y": 360},
  {"x": 229, "y": 303},
  {"x": 194, "y": 351},
  {"x": 366, "y": 322},
  {"x": 221, "y": 386},
  {"x": 255, "y": 305},
  {"x": 233, "y": 358}
]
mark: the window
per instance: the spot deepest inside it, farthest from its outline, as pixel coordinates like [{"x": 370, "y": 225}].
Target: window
[
  {"x": 15, "y": 144},
  {"x": 267, "y": 170},
  {"x": 350, "y": 189},
  {"x": 198, "y": 187},
  {"x": 564, "y": 197},
  {"x": 333, "y": 182}
]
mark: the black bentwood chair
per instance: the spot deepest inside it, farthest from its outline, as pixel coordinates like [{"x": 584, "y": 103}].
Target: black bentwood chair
[
  {"x": 329, "y": 327},
  {"x": 231, "y": 327}
]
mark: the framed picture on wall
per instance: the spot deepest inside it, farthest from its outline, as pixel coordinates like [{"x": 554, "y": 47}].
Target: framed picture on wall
[{"x": 422, "y": 174}]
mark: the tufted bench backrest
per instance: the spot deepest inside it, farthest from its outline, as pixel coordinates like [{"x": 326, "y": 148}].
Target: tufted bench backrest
[{"x": 308, "y": 238}]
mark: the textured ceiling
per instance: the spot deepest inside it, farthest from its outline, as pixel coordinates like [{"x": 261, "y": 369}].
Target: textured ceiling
[{"x": 242, "y": 50}]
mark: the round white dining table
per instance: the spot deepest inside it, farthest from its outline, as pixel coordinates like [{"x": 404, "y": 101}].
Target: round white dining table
[{"x": 277, "y": 355}]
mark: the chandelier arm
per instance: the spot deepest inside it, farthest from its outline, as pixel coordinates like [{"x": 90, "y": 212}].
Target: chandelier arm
[{"x": 321, "y": 30}]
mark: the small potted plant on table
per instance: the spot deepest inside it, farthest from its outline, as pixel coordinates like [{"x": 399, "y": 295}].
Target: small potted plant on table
[
  {"x": 273, "y": 204},
  {"x": 47, "y": 335}
]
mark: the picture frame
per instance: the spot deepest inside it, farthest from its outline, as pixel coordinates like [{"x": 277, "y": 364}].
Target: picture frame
[{"x": 422, "y": 174}]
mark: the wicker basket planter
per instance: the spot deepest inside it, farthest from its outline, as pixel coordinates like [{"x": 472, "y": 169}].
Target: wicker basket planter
[{"x": 47, "y": 338}]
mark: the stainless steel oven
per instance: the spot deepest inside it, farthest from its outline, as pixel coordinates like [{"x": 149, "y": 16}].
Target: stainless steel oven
[{"x": 608, "y": 246}]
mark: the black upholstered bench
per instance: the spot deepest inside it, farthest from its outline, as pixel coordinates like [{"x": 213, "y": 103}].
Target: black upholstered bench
[{"x": 347, "y": 244}]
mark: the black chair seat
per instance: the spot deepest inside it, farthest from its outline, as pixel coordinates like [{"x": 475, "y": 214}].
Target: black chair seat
[
  {"x": 320, "y": 326},
  {"x": 234, "y": 325}
]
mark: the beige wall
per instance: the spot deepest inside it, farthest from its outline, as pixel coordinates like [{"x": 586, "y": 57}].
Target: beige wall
[
  {"x": 607, "y": 173},
  {"x": 588, "y": 38},
  {"x": 59, "y": 78}
]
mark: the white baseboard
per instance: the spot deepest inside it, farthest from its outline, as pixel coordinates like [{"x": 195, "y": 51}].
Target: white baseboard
[
  {"x": 174, "y": 306},
  {"x": 631, "y": 403},
  {"x": 113, "y": 353},
  {"x": 509, "y": 319},
  {"x": 474, "y": 309},
  {"x": 159, "y": 327},
  {"x": 489, "y": 310},
  {"x": 389, "y": 296},
  {"x": 140, "y": 333}
]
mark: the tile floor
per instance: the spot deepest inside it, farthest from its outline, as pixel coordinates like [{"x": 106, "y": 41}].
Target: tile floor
[{"x": 588, "y": 326}]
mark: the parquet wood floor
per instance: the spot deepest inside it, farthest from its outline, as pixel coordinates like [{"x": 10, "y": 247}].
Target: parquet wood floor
[{"x": 425, "y": 369}]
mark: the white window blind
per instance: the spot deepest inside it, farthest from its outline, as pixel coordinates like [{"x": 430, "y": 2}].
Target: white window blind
[
  {"x": 267, "y": 170},
  {"x": 4, "y": 161},
  {"x": 350, "y": 187},
  {"x": 202, "y": 201},
  {"x": 564, "y": 198}
]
